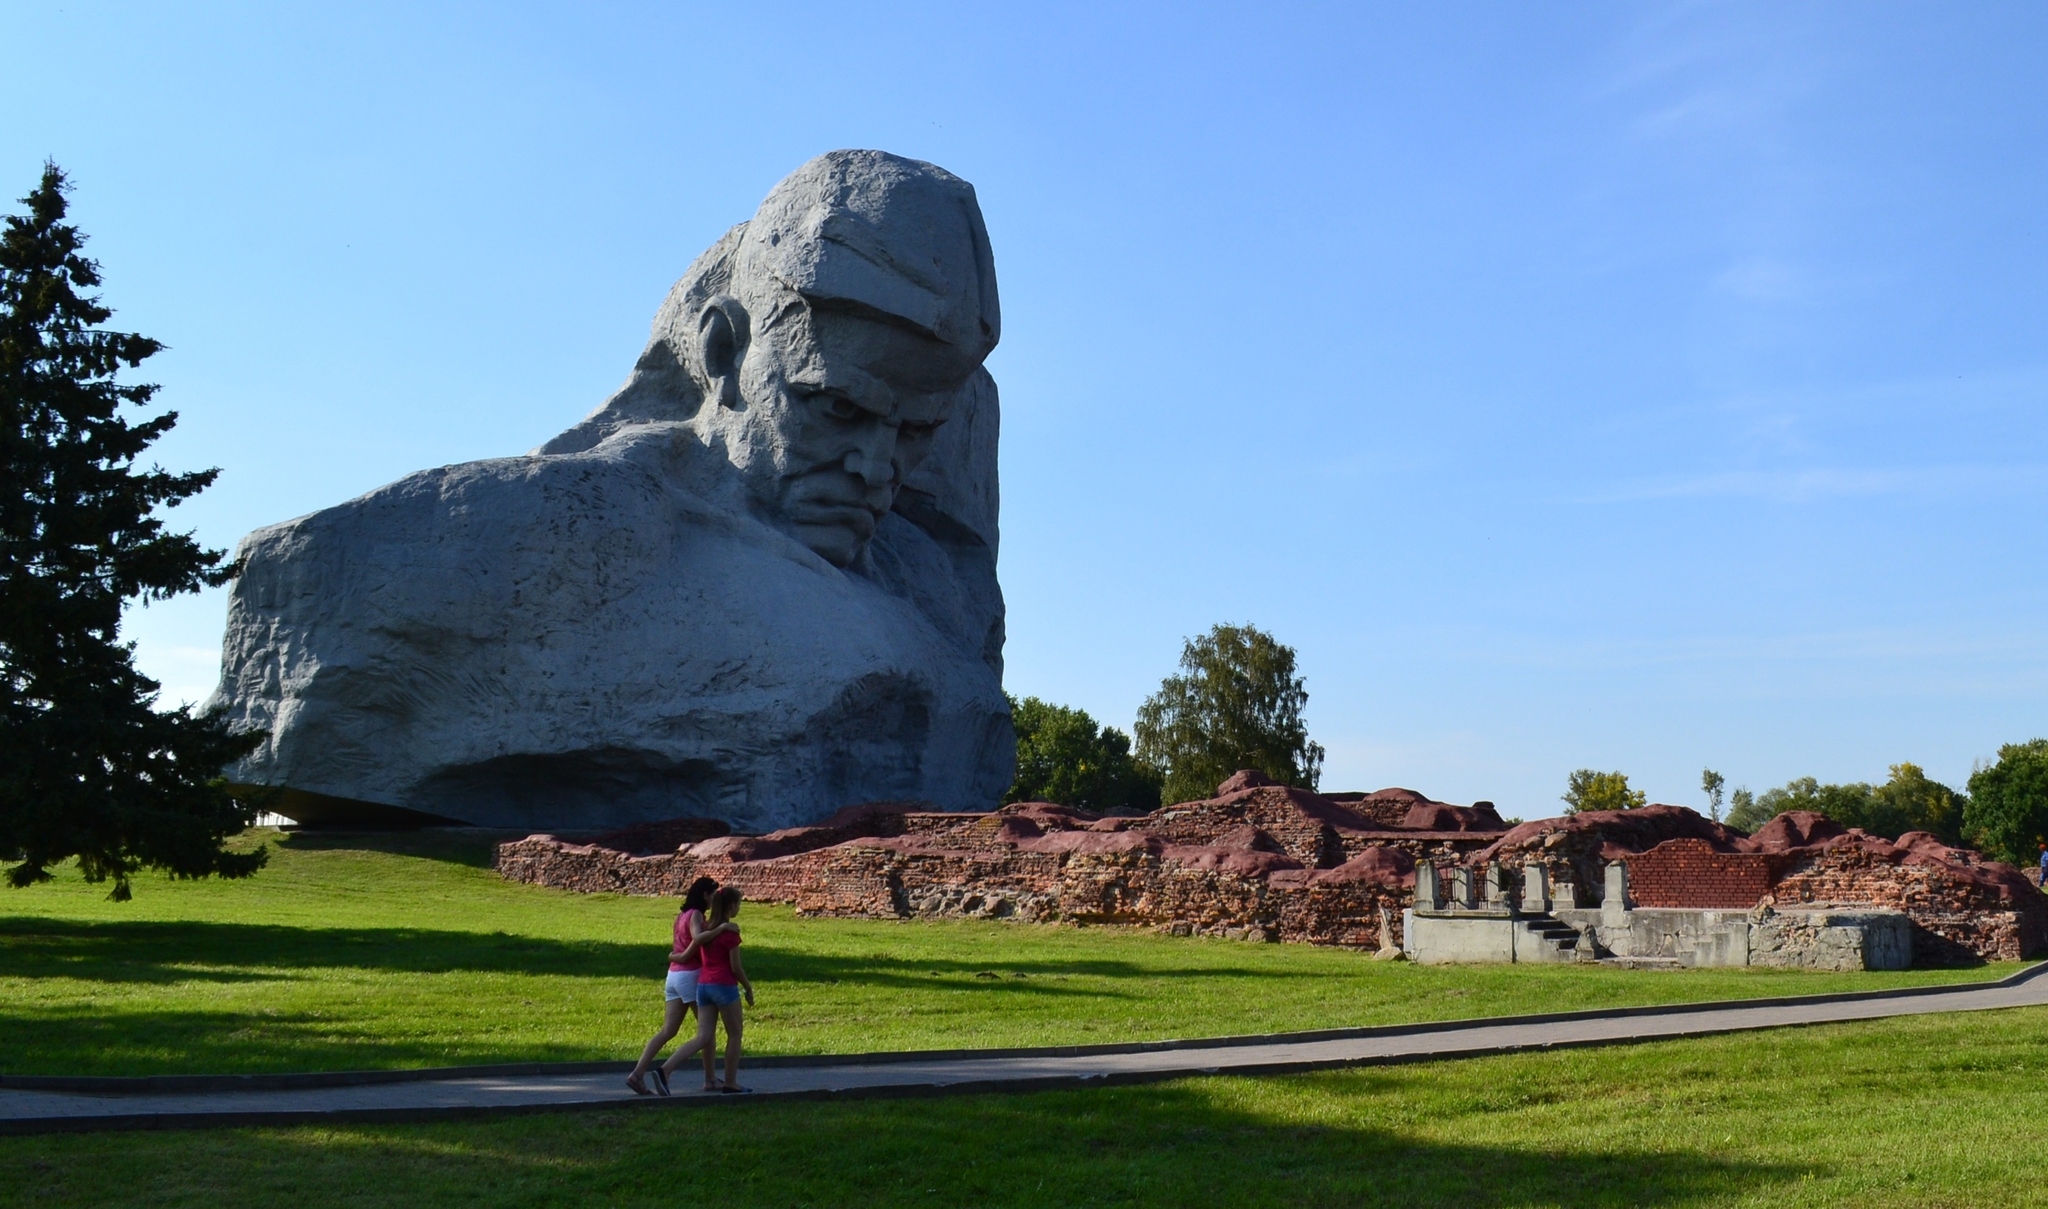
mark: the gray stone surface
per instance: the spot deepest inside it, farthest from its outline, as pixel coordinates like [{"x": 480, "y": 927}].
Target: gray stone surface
[
  {"x": 1687, "y": 935},
  {"x": 1831, "y": 939},
  {"x": 758, "y": 583}
]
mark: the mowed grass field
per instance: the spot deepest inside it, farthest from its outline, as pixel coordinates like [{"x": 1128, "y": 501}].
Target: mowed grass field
[
  {"x": 361, "y": 951},
  {"x": 1944, "y": 1111},
  {"x": 357, "y": 951}
]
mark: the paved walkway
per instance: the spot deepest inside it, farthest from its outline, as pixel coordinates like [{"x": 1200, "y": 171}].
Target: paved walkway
[{"x": 457, "y": 1095}]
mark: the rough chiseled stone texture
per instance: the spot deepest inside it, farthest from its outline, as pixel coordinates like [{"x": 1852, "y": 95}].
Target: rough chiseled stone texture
[
  {"x": 755, "y": 585},
  {"x": 1834, "y": 940},
  {"x": 1257, "y": 862}
]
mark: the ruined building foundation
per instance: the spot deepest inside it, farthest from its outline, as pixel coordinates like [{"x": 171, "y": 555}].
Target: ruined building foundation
[{"x": 1391, "y": 871}]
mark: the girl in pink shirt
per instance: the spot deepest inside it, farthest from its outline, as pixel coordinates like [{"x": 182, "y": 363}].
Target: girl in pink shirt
[
  {"x": 719, "y": 985},
  {"x": 680, "y": 990}
]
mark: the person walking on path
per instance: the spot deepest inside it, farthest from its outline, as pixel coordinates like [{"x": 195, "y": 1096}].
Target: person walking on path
[
  {"x": 680, "y": 991},
  {"x": 719, "y": 986}
]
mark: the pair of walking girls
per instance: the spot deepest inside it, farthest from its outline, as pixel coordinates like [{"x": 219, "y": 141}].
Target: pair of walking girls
[{"x": 705, "y": 975}]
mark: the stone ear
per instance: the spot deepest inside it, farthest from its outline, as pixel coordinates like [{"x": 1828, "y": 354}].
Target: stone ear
[{"x": 721, "y": 346}]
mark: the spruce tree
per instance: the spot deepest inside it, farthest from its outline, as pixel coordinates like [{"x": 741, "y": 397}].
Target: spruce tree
[{"x": 89, "y": 768}]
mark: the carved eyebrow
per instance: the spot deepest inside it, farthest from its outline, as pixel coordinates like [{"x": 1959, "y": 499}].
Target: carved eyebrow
[
  {"x": 835, "y": 392},
  {"x": 849, "y": 381}
]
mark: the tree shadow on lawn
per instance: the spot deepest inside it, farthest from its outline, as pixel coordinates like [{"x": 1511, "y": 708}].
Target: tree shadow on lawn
[
  {"x": 172, "y": 952},
  {"x": 136, "y": 1035},
  {"x": 1186, "y": 1142},
  {"x": 83, "y": 1040},
  {"x": 1197, "y": 1142},
  {"x": 476, "y": 847}
]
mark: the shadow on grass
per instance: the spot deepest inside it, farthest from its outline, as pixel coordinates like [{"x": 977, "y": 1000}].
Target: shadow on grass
[
  {"x": 70, "y": 1034},
  {"x": 472, "y": 846},
  {"x": 167, "y": 952},
  {"x": 1191, "y": 1142},
  {"x": 79, "y": 1040}
]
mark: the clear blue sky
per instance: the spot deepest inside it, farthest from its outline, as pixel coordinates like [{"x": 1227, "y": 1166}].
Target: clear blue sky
[{"x": 1629, "y": 386}]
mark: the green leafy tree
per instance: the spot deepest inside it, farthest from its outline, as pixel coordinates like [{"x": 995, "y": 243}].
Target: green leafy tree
[
  {"x": 1236, "y": 703},
  {"x": 88, "y": 767},
  {"x": 2007, "y": 814},
  {"x": 1909, "y": 801},
  {"x": 1710, "y": 784},
  {"x": 1589, "y": 790},
  {"x": 1743, "y": 812},
  {"x": 1064, "y": 757}
]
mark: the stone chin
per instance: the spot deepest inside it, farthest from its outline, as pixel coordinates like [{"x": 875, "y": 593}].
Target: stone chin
[{"x": 841, "y": 543}]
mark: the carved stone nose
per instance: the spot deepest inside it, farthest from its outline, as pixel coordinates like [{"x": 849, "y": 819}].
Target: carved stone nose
[{"x": 868, "y": 468}]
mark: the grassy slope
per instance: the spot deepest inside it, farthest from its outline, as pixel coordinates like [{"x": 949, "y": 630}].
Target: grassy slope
[
  {"x": 1940, "y": 1110},
  {"x": 352, "y": 952}
]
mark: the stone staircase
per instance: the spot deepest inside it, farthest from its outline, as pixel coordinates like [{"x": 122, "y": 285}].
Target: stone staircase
[{"x": 1554, "y": 934}]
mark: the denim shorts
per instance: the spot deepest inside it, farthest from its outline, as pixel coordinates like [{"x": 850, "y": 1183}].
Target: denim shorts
[
  {"x": 681, "y": 984},
  {"x": 717, "y": 994}
]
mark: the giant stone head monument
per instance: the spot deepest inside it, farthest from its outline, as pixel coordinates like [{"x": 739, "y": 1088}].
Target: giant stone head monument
[{"x": 758, "y": 583}]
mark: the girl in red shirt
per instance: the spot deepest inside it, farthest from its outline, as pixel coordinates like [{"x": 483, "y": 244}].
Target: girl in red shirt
[
  {"x": 680, "y": 990},
  {"x": 719, "y": 985}
]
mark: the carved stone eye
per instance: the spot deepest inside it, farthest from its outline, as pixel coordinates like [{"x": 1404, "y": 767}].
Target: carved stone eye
[{"x": 839, "y": 407}]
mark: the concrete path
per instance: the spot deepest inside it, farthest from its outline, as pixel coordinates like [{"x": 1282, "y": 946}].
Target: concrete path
[{"x": 406, "y": 1096}]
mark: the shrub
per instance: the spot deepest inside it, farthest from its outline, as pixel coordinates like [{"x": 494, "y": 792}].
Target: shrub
[{"x": 1589, "y": 790}]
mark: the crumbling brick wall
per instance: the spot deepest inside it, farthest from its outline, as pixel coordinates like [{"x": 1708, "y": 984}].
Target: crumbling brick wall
[
  {"x": 1960, "y": 912},
  {"x": 1689, "y": 873},
  {"x": 1094, "y": 877},
  {"x": 1274, "y": 863}
]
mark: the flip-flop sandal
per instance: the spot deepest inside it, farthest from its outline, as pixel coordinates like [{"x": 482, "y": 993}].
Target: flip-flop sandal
[
  {"x": 660, "y": 1080},
  {"x": 736, "y": 1091},
  {"x": 637, "y": 1087}
]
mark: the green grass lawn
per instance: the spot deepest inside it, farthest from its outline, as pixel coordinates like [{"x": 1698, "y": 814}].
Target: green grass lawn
[
  {"x": 406, "y": 950},
  {"x": 1941, "y": 1110}
]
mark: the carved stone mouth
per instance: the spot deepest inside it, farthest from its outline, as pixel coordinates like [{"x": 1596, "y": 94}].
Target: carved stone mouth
[{"x": 856, "y": 517}]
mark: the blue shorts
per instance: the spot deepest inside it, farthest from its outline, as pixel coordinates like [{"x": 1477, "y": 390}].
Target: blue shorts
[{"x": 717, "y": 994}]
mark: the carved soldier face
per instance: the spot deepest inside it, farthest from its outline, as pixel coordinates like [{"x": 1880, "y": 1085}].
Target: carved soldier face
[{"x": 825, "y": 413}]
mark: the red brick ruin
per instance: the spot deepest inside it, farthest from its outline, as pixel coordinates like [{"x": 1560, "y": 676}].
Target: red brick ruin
[{"x": 1261, "y": 861}]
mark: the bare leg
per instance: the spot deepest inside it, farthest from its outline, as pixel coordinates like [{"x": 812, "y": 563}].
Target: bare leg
[
  {"x": 706, "y": 1033},
  {"x": 731, "y": 1013},
  {"x": 671, "y": 1021},
  {"x": 710, "y": 1056}
]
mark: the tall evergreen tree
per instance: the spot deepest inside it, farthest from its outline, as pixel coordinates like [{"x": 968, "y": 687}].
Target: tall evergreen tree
[
  {"x": 88, "y": 767},
  {"x": 1237, "y": 704}
]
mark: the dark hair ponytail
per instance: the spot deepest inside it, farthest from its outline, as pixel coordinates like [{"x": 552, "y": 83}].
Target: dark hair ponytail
[{"x": 698, "y": 896}]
